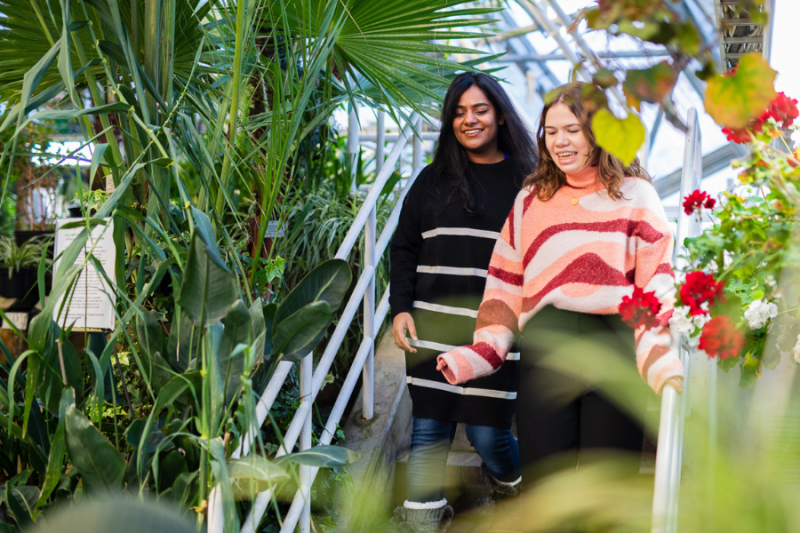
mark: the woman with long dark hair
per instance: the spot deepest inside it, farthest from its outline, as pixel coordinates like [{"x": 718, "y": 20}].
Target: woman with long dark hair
[
  {"x": 585, "y": 231},
  {"x": 440, "y": 253}
]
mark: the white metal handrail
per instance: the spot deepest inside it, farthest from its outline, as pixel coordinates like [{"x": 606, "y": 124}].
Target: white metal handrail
[
  {"x": 669, "y": 453},
  {"x": 311, "y": 381}
]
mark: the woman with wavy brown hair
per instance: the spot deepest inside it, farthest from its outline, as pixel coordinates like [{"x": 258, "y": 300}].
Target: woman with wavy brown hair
[{"x": 584, "y": 231}]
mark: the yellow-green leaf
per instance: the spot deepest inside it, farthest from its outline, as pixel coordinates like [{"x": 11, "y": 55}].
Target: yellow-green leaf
[
  {"x": 732, "y": 101},
  {"x": 619, "y": 137}
]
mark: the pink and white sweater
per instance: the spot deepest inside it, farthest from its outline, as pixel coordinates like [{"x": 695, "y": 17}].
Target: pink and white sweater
[{"x": 580, "y": 257}]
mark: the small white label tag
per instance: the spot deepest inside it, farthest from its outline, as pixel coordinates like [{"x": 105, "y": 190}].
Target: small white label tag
[{"x": 20, "y": 320}]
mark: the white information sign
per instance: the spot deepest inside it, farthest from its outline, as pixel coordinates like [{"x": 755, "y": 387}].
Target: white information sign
[{"x": 92, "y": 301}]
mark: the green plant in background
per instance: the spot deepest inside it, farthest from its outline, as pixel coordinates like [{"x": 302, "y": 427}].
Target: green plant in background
[
  {"x": 27, "y": 255},
  {"x": 163, "y": 92}
]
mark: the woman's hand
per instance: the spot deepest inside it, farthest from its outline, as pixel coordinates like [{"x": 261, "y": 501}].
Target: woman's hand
[
  {"x": 403, "y": 322},
  {"x": 676, "y": 382}
]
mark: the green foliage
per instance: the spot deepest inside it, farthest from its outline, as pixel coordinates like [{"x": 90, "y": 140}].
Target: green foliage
[{"x": 27, "y": 255}]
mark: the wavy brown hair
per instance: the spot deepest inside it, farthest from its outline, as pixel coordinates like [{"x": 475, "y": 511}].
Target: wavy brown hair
[{"x": 548, "y": 178}]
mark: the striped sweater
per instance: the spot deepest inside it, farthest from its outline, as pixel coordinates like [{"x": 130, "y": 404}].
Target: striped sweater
[
  {"x": 439, "y": 260},
  {"x": 579, "y": 251}
]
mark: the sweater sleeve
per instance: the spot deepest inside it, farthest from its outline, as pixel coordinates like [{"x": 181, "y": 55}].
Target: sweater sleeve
[
  {"x": 405, "y": 249},
  {"x": 498, "y": 316},
  {"x": 656, "y": 360}
]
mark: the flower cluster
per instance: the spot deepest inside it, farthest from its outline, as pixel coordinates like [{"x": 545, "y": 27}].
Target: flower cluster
[
  {"x": 682, "y": 322},
  {"x": 759, "y": 312},
  {"x": 696, "y": 201},
  {"x": 782, "y": 110},
  {"x": 698, "y": 289},
  {"x": 721, "y": 338},
  {"x": 640, "y": 309}
]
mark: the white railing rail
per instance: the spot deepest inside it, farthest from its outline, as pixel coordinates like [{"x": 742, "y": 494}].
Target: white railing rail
[
  {"x": 669, "y": 455},
  {"x": 312, "y": 380}
]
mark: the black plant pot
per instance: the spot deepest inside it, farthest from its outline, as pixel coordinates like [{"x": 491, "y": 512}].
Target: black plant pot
[{"x": 21, "y": 286}]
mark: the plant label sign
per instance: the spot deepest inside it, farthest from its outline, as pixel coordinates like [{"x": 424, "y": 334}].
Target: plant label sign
[{"x": 90, "y": 301}]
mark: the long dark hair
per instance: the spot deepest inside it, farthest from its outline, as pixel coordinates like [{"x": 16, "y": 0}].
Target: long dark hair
[
  {"x": 548, "y": 178},
  {"x": 450, "y": 161}
]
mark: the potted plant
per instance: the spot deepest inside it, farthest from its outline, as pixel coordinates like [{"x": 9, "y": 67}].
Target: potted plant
[{"x": 18, "y": 269}]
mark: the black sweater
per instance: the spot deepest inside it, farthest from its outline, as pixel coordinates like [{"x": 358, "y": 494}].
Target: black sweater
[{"x": 439, "y": 258}]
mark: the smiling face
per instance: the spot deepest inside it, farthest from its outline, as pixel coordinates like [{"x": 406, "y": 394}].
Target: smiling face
[
  {"x": 565, "y": 141},
  {"x": 476, "y": 126}
]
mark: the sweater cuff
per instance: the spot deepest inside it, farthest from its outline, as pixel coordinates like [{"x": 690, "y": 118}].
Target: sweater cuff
[
  {"x": 675, "y": 369},
  {"x": 454, "y": 366}
]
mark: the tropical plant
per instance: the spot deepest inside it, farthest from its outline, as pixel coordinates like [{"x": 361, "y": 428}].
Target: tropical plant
[
  {"x": 26, "y": 255},
  {"x": 164, "y": 95}
]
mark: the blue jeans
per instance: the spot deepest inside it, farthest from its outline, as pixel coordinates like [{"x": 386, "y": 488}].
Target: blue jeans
[{"x": 430, "y": 442}]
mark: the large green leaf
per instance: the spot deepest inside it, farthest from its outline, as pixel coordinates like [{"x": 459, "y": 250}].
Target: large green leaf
[
  {"x": 297, "y": 335},
  {"x": 238, "y": 330},
  {"x": 100, "y": 464},
  {"x": 619, "y": 137},
  {"x": 208, "y": 289},
  {"x": 321, "y": 456},
  {"x": 259, "y": 328},
  {"x": 183, "y": 345},
  {"x": 254, "y": 474},
  {"x": 120, "y": 515},
  {"x": 58, "y": 449},
  {"x": 135, "y": 433},
  {"x": 732, "y": 101},
  {"x": 328, "y": 282},
  {"x": 151, "y": 340}
]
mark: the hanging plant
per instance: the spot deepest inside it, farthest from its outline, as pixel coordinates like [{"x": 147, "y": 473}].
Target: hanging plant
[{"x": 738, "y": 300}]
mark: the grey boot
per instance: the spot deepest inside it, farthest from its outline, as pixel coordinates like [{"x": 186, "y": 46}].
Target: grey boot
[
  {"x": 407, "y": 520},
  {"x": 498, "y": 490},
  {"x": 506, "y": 495}
]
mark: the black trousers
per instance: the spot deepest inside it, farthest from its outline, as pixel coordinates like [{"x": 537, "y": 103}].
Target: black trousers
[{"x": 572, "y": 401}]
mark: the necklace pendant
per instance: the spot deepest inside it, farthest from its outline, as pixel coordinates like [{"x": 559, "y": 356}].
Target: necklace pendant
[{"x": 574, "y": 201}]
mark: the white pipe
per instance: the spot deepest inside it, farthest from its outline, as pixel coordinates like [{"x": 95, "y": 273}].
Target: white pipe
[
  {"x": 263, "y": 406},
  {"x": 369, "y": 202},
  {"x": 262, "y": 500},
  {"x": 306, "y": 374},
  {"x": 380, "y": 141},
  {"x": 391, "y": 222},
  {"x": 393, "y": 137},
  {"x": 336, "y": 415},
  {"x": 367, "y": 391},
  {"x": 673, "y": 409}
]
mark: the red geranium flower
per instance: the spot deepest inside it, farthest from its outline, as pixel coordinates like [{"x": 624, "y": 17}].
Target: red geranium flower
[
  {"x": 698, "y": 289},
  {"x": 783, "y": 109},
  {"x": 739, "y": 136},
  {"x": 640, "y": 309},
  {"x": 698, "y": 200},
  {"x": 721, "y": 338}
]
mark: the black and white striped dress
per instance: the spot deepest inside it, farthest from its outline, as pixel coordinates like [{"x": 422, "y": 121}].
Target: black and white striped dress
[{"x": 439, "y": 259}]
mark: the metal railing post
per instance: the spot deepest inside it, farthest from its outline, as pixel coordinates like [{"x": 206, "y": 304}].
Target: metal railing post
[
  {"x": 380, "y": 141},
  {"x": 368, "y": 373},
  {"x": 306, "y": 394},
  {"x": 669, "y": 454},
  {"x": 300, "y": 427},
  {"x": 353, "y": 143}
]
